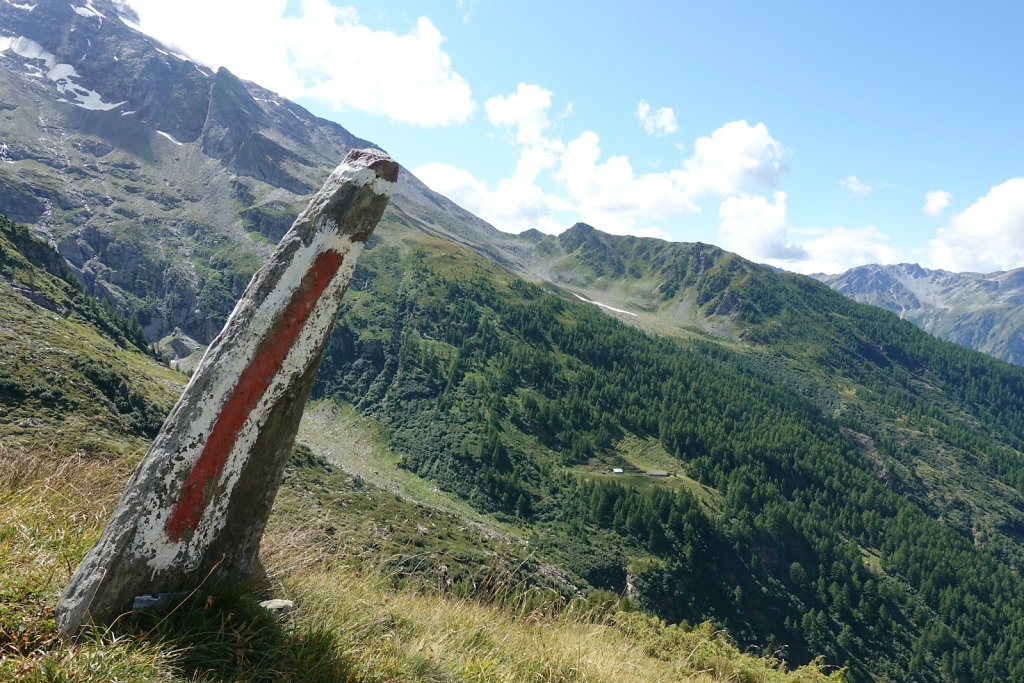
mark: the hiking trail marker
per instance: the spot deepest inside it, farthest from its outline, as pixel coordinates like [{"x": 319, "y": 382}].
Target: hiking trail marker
[{"x": 199, "y": 501}]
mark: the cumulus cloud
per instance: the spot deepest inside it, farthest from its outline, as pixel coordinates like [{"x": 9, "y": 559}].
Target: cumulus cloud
[
  {"x": 525, "y": 111},
  {"x": 856, "y": 187},
  {"x": 314, "y": 49},
  {"x": 613, "y": 196},
  {"x": 753, "y": 225},
  {"x": 735, "y": 155},
  {"x": 513, "y": 205},
  {"x": 757, "y": 228},
  {"x": 556, "y": 182},
  {"x": 836, "y": 250},
  {"x": 458, "y": 185},
  {"x": 987, "y": 236},
  {"x": 661, "y": 121},
  {"x": 610, "y": 194},
  {"x": 935, "y": 202}
]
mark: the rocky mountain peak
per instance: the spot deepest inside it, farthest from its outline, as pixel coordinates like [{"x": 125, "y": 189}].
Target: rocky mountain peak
[
  {"x": 578, "y": 235},
  {"x": 162, "y": 179},
  {"x": 981, "y": 311},
  {"x": 232, "y": 116}
]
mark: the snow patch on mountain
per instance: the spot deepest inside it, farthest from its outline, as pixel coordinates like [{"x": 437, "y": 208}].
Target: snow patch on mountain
[
  {"x": 24, "y": 6},
  {"x": 29, "y": 49},
  {"x": 176, "y": 55},
  {"x": 598, "y": 303},
  {"x": 170, "y": 137},
  {"x": 87, "y": 11},
  {"x": 62, "y": 75}
]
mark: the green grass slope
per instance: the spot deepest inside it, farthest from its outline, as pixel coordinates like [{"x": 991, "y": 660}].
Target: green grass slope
[
  {"x": 941, "y": 425},
  {"x": 70, "y": 369},
  {"x": 361, "y": 613}
]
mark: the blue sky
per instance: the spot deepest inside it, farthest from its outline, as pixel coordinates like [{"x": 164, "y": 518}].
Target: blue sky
[{"x": 811, "y": 135}]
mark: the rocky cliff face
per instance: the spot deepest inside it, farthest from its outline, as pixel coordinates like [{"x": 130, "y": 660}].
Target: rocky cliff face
[
  {"x": 980, "y": 311},
  {"x": 162, "y": 181}
]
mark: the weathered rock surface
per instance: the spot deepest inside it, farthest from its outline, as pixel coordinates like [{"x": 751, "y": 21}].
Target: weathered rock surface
[
  {"x": 278, "y": 607},
  {"x": 199, "y": 501}
]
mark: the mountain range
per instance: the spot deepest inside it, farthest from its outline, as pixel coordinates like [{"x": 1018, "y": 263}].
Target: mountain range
[
  {"x": 149, "y": 170},
  {"x": 980, "y": 311},
  {"x": 841, "y": 483}
]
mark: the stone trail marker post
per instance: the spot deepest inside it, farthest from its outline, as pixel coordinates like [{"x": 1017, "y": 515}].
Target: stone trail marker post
[{"x": 200, "y": 499}]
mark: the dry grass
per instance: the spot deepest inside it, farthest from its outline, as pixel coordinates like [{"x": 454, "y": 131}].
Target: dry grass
[
  {"x": 351, "y": 623},
  {"x": 53, "y": 508},
  {"x": 504, "y": 632}
]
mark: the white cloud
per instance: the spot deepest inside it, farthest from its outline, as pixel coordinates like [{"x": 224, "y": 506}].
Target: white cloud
[
  {"x": 655, "y": 231},
  {"x": 458, "y": 185},
  {"x": 735, "y": 155},
  {"x": 555, "y": 183},
  {"x": 987, "y": 236},
  {"x": 838, "y": 249},
  {"x": 757, "y": 229},
  {"x": 468, "y": 5},
  {"x": 513, "y": 205},
  {"x": 534, "y": 160},
  {"x": 610, "y": 195},
  {"x": 751, "y": 225},
  {"x": 935, "y": 202},
  {"x": 525, "y": 111},
  {"x": 319, "y": 51},
  {"x": 856, "y": 187},
  {"x": 661, "y": 121}
]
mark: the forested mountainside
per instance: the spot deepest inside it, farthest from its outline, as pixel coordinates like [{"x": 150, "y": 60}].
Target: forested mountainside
[
  {"x": 981, "y": 311},
  {"x": 833, "y": 472},
  {"x": 849, "y": 496}
]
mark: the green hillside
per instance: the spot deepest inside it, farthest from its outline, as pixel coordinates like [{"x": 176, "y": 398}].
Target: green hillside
[
  {"x": 581, "y": 457},
  {"x": 912, "y": 404},
  {"x": 70, "y": 369},
  {"x": 839, "y": 482},
  {"x": 387, "y": 587},
  {"x": 842, "y": 483}
]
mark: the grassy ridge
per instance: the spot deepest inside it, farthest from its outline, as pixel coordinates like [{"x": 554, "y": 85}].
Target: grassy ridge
[{"x": 72, "y": 372}]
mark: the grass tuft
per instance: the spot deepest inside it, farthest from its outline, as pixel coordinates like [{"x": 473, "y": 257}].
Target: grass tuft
[{"x": 221, "y": 633}]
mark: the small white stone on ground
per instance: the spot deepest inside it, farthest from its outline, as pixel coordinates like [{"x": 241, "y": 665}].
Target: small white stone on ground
[{"x": 278, "y": 606}]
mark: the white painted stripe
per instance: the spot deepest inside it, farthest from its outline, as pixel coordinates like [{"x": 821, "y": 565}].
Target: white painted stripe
[{"x": 151, "y": 541}]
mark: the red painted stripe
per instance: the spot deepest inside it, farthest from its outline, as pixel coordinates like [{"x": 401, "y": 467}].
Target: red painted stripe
[{"x": 252, "y": 384}]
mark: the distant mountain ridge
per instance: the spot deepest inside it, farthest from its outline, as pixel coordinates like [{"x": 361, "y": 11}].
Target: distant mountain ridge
[{"x": 984, "y": 312}]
